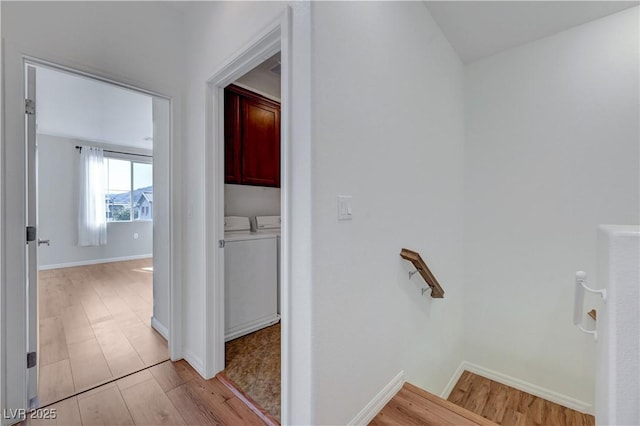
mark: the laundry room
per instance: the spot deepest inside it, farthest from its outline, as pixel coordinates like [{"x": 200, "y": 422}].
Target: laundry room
[{"x": 252, "y": 233}]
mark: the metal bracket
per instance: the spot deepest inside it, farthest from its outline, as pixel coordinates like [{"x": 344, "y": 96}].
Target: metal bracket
[
  {"x": 29, "y": 107},
  {"x": 32, "y": 359},
  {"x": 427, "y": 289},
  {"x": 412, "y": 273},
  {"x": 31, "y": 233}
]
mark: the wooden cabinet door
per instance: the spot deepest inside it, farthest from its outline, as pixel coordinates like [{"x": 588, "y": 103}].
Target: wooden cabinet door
[
  {"x": 232, "y": 149},
  {"x": 260, "y": 142}
]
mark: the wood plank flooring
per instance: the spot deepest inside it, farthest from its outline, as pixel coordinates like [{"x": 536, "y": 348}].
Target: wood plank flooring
[
  {"x": 95, "y": 325},
  {"x": 170, "y": 393},
  {"x": 414, "y": 406},
  {"x": 505, "y": 405}
]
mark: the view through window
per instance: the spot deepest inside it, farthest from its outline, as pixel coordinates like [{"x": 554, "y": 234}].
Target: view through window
[{"x": 129, "y": 193}]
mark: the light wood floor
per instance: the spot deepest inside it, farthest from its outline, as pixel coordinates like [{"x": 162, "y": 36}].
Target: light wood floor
[
  {"x": 171, "y": 393},
  {"x": 508, "y": 406},
  {"x": 414, "y": 406},
  {"x": 95, "y": 325}
]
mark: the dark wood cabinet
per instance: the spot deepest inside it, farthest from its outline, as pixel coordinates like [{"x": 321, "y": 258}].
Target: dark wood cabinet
[{"x": 252, "y": 138}]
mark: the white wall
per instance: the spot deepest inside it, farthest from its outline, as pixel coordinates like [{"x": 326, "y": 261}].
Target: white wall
[
  {"x": 2, "y": 232},
  {"x": 217, "y": 31},
  {"x": 551, "y": 152},
  {"x": 58, "y": 212},
  {"x": 249, "y": 200},
  {"x": 388, "y": 129},
  {"x": 617, "y": 384},
  {"x": 214, "y": 36},
  {"x": 369, "y": 321},
  {"x": 138, "y": 43}
]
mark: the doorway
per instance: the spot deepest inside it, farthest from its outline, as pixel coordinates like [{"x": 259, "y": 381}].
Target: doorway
[
  {"x": 268, "y": 42},
  {"x": 252, "y": 224},
  {"x": 98, "y": 288}
]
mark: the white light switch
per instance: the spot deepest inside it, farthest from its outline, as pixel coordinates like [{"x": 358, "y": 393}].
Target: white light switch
[
  {"x": 136, "y": 236},
  {"x": 345, "y": 211}
]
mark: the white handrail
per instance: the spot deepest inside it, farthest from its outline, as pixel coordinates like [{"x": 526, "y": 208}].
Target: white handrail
[{"x": 578, "y": 301}]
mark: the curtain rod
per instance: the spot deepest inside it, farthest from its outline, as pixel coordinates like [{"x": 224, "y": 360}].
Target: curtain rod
[{"x": 118, "y": 152}]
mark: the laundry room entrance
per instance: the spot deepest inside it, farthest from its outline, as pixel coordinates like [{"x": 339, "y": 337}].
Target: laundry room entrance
[{"x": 252, "y": 220}]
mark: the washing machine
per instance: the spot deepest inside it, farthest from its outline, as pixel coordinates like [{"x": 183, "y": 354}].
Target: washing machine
[
  {"x": 250, "y": 278},
  {"x": 271, "y": 225}
]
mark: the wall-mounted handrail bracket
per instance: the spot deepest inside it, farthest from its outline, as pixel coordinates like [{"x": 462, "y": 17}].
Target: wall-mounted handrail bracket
[
  {"x": 414, "y": 257},
  {"x": 580, "y": 288}
]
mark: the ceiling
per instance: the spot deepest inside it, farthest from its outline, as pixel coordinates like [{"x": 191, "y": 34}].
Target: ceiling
[
  {"x": 477, "y": 29},
  {"x": 81, "y": 108}
]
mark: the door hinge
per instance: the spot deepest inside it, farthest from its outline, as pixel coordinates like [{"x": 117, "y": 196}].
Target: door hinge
[
  {"x": 32, "y": 359},
  {"x": 221, "y": 243},
  {"x": 29, "y": 107},
  {"x": 31, "y": 233}
]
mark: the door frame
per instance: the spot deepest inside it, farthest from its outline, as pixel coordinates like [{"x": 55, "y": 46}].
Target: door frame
[
  {"x": 14, "y": 394},
  {"x": 275, "y": 37}
]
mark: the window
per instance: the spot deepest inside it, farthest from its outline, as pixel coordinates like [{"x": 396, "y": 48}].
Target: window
[{"x": 129, "y": 194}]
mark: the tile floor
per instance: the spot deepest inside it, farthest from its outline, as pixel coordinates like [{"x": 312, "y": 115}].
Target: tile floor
[{"x": 253, "y": 364}]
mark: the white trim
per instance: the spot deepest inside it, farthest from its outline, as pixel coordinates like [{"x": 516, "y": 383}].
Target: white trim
[
  {"x": 530, "y": 388},
  {"x": 157, "y": 326},
  {"x": 76, "y": 71},
  {"x": 366, "y": 415},
  {"x": 93, "y": 262},
  {"x": 274, "y": 37},
  {"x": 267, "y": 42},
  {"x": 175, "y": 232},
  {"x": 194, "y": 361},
  {"x": 251, "y": 327},
  {"x": 3, "y": 404},
  {"x": 13, "y": 359},
  {"x": 452, "y": 382}
]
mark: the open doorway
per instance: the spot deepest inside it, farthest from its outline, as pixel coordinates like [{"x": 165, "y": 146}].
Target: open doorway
[
  {"x": 101, "y": 306},
  {"x": 252, "y": 203}
]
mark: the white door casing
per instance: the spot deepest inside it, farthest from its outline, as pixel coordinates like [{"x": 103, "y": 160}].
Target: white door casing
[
  {"x": 15, "y": 386},
  {"x": 268, "y": 41},
  {"x": 32, "y": 244}
]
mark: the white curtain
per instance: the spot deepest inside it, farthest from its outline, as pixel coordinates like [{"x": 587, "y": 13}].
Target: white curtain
[{"x": 92, "y": 220}]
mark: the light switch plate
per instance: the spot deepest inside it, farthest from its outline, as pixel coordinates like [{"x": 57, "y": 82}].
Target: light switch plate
[{"x": 345, "y": 211}]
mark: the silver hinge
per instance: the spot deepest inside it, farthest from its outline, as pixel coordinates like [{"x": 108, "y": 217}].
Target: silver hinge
[
  {"x": 221, "y": 243},
  {"x": 32, "y": 358},
  {"x": 29, "y": 107},
  {"x": 31, "y": 233}
]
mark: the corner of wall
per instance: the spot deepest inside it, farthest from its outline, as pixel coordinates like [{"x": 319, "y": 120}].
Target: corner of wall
[{"x": 367, "y": 414}]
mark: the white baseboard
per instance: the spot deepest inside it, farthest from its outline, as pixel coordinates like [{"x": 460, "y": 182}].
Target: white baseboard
[
  {"x": 539, "y": 391},
  {"x": 157, "y": 326},
  {"x": 454, "y": 379},
  {"x": 251, "y": 327},
  {"x": 366, "y": 415},
  {"x": 194, "y": 362},
  {"x": 93, "y": 262}
]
